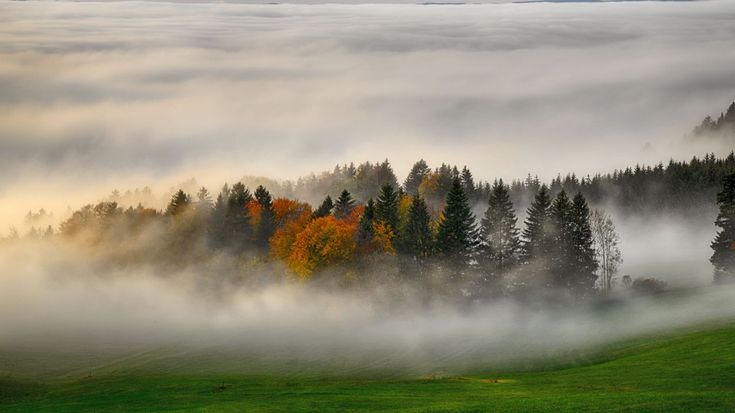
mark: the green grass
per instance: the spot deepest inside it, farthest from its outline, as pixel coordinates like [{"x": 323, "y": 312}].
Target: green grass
[{"x": 692, "y": 372}]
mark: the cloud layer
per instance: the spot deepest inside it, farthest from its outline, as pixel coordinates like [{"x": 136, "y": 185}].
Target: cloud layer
[{"x": 103, "y": 95}]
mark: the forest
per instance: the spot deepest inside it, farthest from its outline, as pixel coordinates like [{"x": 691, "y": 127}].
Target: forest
[{"x": 439, "y": 232}]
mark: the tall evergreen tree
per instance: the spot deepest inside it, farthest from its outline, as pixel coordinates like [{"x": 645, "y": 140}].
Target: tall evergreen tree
[
  {"x": 416, "y": 237},
  {"x": 457, "y": 236},
  {"x": 179, "y": 203},
  {"x": 325, "y": 208},
  {"x": 386, "y": 208},
  {"x": 267, "y": 223},
  {"x": 723, "y": 257},
  {"x": 344, "y": 205},
  {"x": 238, "y": 232},
  {"x": 584, "y": 262},
  {"x": 468, "y": 183},
  {"x": 500, "y": 236},
  {"x": 365, "y": 229},
  {"x": 536, "y": 242},
  {"x": 560, "y": 232},
  {"x": 419, "y": 170}
]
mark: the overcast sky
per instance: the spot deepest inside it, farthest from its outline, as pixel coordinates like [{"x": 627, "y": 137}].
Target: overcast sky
[{"x": 95, "y": 96}]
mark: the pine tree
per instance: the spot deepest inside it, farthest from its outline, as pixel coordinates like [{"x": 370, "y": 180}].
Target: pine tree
[
  {"x": 457, "y": 236},
  {"x": 500, "y": 236},
  {"x": 416, "y": 237},
  {"x": 344, "y": 205},
  {"x": 560, "y": 232},
  {"x": 468, "y": 184},
  {"x": 237, "y": 220},
  {"x": 584, "y": 259},
  {"x": 325, "y": 208},
  {"x": 415, "y": 176},
  {"x": 536, "y": 243},
  {"x": 267, "y": 224},
  {"x": 365, "y": 229},
  {"x": 179, "y": 203},
  {"x": 386, "y": 207},
  {"x": 723, "y": 257}
]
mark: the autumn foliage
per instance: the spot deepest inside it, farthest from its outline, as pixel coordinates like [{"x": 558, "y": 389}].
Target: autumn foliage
[{"x": 324, "y": 241}]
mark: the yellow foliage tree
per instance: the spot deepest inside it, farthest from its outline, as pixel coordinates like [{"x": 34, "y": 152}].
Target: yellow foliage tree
[{"x": 324, "y": 241}]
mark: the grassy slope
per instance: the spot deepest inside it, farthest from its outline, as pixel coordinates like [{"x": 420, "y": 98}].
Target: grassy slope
[{"x": 693, "y": 372}]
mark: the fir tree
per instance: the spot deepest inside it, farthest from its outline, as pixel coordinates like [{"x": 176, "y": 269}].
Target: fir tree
[
  {"x": 468, "y": 183},
  {"x": 344, "y": 205},
  {"x": 179, "y": 203},
  {"x": 457, "y": 236},
  {"x": 415, "y": 176},
  {"x": 560, "y": 232},
  {"x": 584, "y": 260},
  {"x": 325, "y": 208},
  {"x": 416, "y": 237},
  {"x": 365, "y": 229},
  {"x": 267, "y": 224},
  {"x": 500, "y": 236},
  {"x": 536, "y": 242},
  {"x": 386, "y": 208},
  {"x": 237, "y": 220},
  {"x": 723, "y": 257}
]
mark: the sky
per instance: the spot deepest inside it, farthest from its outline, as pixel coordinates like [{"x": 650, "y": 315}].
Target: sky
[{"x": 96, "y": 96}]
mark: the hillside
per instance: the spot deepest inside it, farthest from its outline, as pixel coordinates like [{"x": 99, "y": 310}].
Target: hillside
[{"x": 692, "y": 371}]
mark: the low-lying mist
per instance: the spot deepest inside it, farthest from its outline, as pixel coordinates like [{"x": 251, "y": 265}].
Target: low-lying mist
[{"x": 58, "y": 300}]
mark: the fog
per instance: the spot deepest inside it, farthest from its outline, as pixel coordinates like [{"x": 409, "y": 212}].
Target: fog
[
  {"x": 97, "y": 96},
  {"x": 55, "y": 302}
]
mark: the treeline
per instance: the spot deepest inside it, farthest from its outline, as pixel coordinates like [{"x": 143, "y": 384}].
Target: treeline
[
  {"x": 394, "y": 235},
  {"x": 424, "y": 231},
  {"x": 677, "y": 187},
  {"x": 724, "y": 125}
]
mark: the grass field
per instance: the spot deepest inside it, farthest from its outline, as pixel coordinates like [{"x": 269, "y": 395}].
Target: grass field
[{"x": 691, "y": 372}]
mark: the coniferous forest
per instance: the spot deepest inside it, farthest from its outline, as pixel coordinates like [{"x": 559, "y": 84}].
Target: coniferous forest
[{"x": 439, "y": 231}]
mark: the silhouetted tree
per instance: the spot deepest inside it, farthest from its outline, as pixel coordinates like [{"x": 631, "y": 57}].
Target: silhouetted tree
[
  {"x": 416, "y": 237},
  {"x": 344, "y": 205},
  {"x": 266, "y": 224},
  {"x": 325, "y": 208},
  {"x": 723, "y": 257},
  {"x": 457, "y": 236},
  {"x": 386, "y": 207},
  {"x": 500, "y": 236},
  {"x": 179, "y": 203},
  {"x": 584, "y": 260}
]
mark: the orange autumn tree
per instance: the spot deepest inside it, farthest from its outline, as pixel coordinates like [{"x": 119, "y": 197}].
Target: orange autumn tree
[
  {"x": 291, "y": 218},
  {"x": 324, "y": 241}
]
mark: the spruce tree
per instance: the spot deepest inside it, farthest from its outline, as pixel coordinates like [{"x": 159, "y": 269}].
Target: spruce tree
[
  {"x": 325, "y": 208},
  {"x": 267, "y": 223},
  {"x": 344, "y": 205},
  {"x": 560, "y": 232},
  {"x": 468, "y": 183},
  {"x": 365, "y": 229},
  {"x": 536, "y": 243},
  {"x": 500, "y": 236},
  {"x": 416, "y": 237},
  {"x": 179, "y": 203},
  {"x": 584, "y": 262},
  {"x": 238, "y": 232},
  {"x": 386, "y": 207},
  {"x": 457, "y": 236},
  {"x": 723, "y": 257}
]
